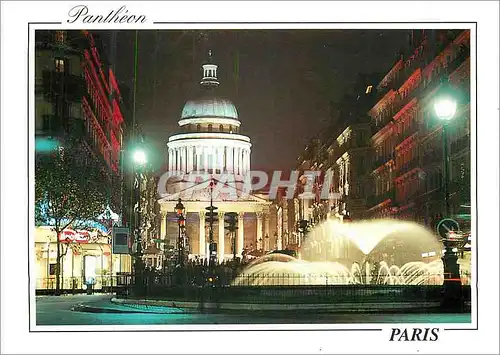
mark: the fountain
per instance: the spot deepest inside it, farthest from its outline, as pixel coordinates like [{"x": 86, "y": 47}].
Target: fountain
[{"x": 380, "y": 252}]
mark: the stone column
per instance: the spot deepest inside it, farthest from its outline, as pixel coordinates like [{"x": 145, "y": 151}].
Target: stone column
[
  {"x": 237, "y": 161},
  {"x": 244, "y": 161},
  {"x": 248, "y": 160},
  {"x": 205, "y": 159},
  {"x": 186, "y": 159},
  {"x": 242, "y": 169},
  {"x": 229, "y": 159},
  {"x": 259, "y": 231},
  {"x": 220, "y": 246},
  {"x": 202, "y": 234},
  {"x": 198, "y": 159},
  {"x": 266, "y": 229},
  {"x": 163, "y": 225},
  {"x": 241, "y": 235},
  {"x": 182, "y": 159},
  {"x": 221, "y": 159},
  {"x": 240, "y": 160},
  {"x": 175, "y": 158},
  {"x": 189, "y": 159},
  {"x": 169, "y": 159},
  {"x": 279, "y": 242}
]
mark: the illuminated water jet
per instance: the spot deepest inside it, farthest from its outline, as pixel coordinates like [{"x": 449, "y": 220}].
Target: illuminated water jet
[{"x": 367, "y": 252}]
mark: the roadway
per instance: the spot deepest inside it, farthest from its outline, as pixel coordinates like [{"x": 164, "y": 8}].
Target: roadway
[{"x": 52, "y": 310}]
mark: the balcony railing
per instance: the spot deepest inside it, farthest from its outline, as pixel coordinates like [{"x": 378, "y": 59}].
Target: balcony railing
[
  {"x": 376, "y": 199},
  {"x": 414, "y": 127},
  {"x": 54, "y": 83},
  {"x": 436, "y": 156},
  {"x": 406, "y": 167},
  {"x": 460, "y": 144},
  {"x": 382, "y": 160},
  {"x": 55, "y": 124}
]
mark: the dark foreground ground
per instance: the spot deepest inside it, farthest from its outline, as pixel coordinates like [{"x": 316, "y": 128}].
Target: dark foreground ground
[{"x": 58, "y": 311}]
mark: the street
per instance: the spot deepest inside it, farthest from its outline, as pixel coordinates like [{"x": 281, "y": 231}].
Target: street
[{"x": 58, "y": 311}]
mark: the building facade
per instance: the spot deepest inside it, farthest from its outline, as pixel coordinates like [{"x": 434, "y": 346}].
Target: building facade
[
  {"x": 407, "y": 141},
  {"x": 385, "y": 152},
  {"x": 210, "y": 146},
  {"x": 77, "y": 98}
]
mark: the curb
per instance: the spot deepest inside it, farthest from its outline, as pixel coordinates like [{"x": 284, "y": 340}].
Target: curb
[
  {"x": 132, "y": 310},
  {"x": 89, "y": 309},
  {"x": 338, "y": 307}
]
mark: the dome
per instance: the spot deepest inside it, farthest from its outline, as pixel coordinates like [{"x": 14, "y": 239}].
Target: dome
[{"x": 209, "y": 107}]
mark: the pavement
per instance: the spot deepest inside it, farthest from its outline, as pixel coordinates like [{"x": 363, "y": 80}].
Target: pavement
[{"x": 99, "y": 310}]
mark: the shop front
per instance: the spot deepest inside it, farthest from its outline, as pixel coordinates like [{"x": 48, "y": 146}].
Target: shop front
[{"x": 87, "y": 260}]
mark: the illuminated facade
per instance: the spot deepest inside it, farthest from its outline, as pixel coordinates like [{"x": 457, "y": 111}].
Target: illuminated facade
[
  {"x": 88, "y": 255},
  {"x": 407, "y": 141},
  {"x": 343, "y": 153},
  {"x": 77, "y": 96},
  {"x": 210, "y": 143}
]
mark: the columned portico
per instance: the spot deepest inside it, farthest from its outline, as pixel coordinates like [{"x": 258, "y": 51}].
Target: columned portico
[{"x": 245, "y": 208}]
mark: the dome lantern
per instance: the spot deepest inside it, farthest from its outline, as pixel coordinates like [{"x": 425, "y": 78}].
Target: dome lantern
[{"x": 209, "y": 79}]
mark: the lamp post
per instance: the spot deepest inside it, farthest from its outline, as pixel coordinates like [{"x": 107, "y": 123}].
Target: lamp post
[
  {"x": 47, "y": 246},
  {"x": 140, "y": 160},
  {"x": 445, "y": 107},
  {"x": 232, "y": 226},
  {"x": 181, "y": 220},
  {"x": 212, "y": 212}
]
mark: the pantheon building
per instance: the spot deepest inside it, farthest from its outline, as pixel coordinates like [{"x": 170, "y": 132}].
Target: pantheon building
[{"x": 210, "y": 144}]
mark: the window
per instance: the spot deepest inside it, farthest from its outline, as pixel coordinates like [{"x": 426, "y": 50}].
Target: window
[
  {"x": 60, "y": 36},
  {"x": 221, "y": 128},
  {"x": 198, "y": 127},
  {"x": 59, "y": 65},
  {"x": 210, "y": 128},
  {"x": 52, "y": 269},
  {"x": 230, "y": 129}
]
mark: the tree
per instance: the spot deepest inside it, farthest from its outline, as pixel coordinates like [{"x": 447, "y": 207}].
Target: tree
[{"x": 70, "y": 191}]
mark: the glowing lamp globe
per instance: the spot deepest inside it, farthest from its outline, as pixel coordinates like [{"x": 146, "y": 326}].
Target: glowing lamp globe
[
  {"x": 179, "y": 208},
  {"x": 445, "y": 108},
  {"x": 140, "y": 157}
]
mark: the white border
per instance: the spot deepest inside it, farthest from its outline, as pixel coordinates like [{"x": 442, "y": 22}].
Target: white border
[{"x": 14, "y": 43}]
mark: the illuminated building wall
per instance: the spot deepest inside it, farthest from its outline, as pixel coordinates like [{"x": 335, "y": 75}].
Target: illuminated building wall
[
  {"x": 407, "y": 141},
  {"x": 77, "y": 95},
  {"x": 87, "y": 256}
]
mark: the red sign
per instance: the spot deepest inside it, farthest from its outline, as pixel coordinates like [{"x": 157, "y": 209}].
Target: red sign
[{"x": 69, "y": 235}]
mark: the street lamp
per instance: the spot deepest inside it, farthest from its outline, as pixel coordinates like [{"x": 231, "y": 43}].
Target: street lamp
[
  {"x": 232, "y": 226},
  {"x": 140, "y": 160},
  {"x": 140, "y": 157},
  {"x": 445, "y": 107},
  {"x": 181, "y": 220}
]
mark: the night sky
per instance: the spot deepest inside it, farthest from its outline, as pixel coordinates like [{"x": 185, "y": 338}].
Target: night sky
[{"x": 286, "y": 81}]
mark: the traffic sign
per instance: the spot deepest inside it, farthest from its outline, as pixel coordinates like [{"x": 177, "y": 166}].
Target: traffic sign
[
  {"x": 447, "y": 225},
  {"x": 121, "y": 240}
]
